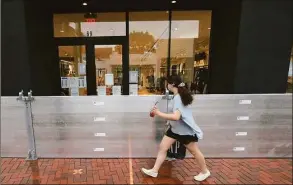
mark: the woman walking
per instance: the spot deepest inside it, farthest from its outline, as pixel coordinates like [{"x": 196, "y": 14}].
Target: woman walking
[{"x": 183, "y": 128}]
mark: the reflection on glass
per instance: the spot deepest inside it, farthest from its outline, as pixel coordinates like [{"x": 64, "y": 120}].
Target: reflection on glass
[
  {"x": 101, "y": 24},
  {"x": 190, "y": 38},
  {"x": 108, "y": 60},
  {"x": 289, "y": 82},
  {"x": 148, "y": 49},
  {"x": 72, "y": 60}
]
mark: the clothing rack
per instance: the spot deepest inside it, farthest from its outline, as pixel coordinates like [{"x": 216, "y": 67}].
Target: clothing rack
[{"x": 200, "y": 80}]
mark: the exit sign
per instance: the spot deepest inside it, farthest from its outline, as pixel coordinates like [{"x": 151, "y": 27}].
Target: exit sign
[{"x": 90, "y": 20}]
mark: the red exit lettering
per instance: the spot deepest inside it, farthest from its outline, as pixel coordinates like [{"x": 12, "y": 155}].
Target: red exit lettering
[{"x": 90, "y": 20}]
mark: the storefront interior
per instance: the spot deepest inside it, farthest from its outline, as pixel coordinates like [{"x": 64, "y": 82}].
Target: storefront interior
[
  {"x": 67, "y": 48},
  {"x": 159, "y": 44}
]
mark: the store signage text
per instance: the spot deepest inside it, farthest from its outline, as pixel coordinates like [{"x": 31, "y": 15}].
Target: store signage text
[{"x": 90, "y": 20}]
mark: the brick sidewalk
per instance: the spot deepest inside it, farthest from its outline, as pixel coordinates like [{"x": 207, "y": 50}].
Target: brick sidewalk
[{"x": 121, "y": 171}]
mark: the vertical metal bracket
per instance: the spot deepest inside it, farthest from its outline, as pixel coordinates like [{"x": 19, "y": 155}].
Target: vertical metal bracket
[
  {"x": 167, "y": 96},
  {"x": 32, "y": 154}
]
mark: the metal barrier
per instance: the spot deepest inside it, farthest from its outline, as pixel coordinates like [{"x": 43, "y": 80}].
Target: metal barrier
[{"x": 120, "y": 126}]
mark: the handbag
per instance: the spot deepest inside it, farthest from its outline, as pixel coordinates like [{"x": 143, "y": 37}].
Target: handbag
[{"x": 177, "y": 150}]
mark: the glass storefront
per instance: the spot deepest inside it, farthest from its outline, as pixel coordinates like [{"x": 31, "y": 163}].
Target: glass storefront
[
  {"x": 89, "y": 25},
  {"x": 148, "y": 50},
  {"x": 108, "y": 62},
  {"x": 72, "y": 66},
  {"x": 289, "y": 82},
  {"x": 190, "y": 41},
  {"x": 154, "y": 51}
]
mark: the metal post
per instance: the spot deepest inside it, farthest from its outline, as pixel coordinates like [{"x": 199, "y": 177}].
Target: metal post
[
  {"x": 167, "y": 97},
  {"x": 32, "y": 154}
]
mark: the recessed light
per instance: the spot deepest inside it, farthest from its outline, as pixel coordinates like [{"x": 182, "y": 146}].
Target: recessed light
[
  {"x": 62, "y": 31},
  {"x": 209, "y": 28},
  {"x": 84, "y": 4},
  {"x": 173, "y": 2}
]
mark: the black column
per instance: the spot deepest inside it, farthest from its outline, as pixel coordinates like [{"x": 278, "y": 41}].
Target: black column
[
  {"x": 223, "y": 47},
  {"x": 264, "y": 47},
  {"x": 125, "y": 59},
  {"x": 15, "y": 69},
  {"x": 43, "y": 55},
  {"x": 91, "y": 70}
]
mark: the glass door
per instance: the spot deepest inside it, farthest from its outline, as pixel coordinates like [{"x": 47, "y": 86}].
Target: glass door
[
  {"x": 109, "y": 66},
  {"x": 93, "y": 66},
  {"x": 72, "y": 65}
]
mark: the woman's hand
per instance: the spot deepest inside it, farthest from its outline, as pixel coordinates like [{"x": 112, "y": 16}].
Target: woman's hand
[
  {"x": 172, "y": 116},
  {"x": 155, "y": 110}
]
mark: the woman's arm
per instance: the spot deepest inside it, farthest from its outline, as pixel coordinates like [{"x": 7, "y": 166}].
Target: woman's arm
[{"x": 175, "y": 116}]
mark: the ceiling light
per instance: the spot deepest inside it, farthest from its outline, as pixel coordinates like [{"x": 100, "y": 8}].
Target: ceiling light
[
  {"x": 209, "y": 28},
  {"x": 62, "y": 31},
  {"x": 173, "y": 2},
  {"x": 84, "y": 4}
]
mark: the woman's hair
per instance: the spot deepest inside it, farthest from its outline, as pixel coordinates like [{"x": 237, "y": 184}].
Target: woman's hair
[{"x": 184, "y": 93}]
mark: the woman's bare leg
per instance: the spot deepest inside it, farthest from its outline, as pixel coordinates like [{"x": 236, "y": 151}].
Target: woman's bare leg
[
  {"x": 194, "y": 150},
  {"x": 164, "y": 147}
]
